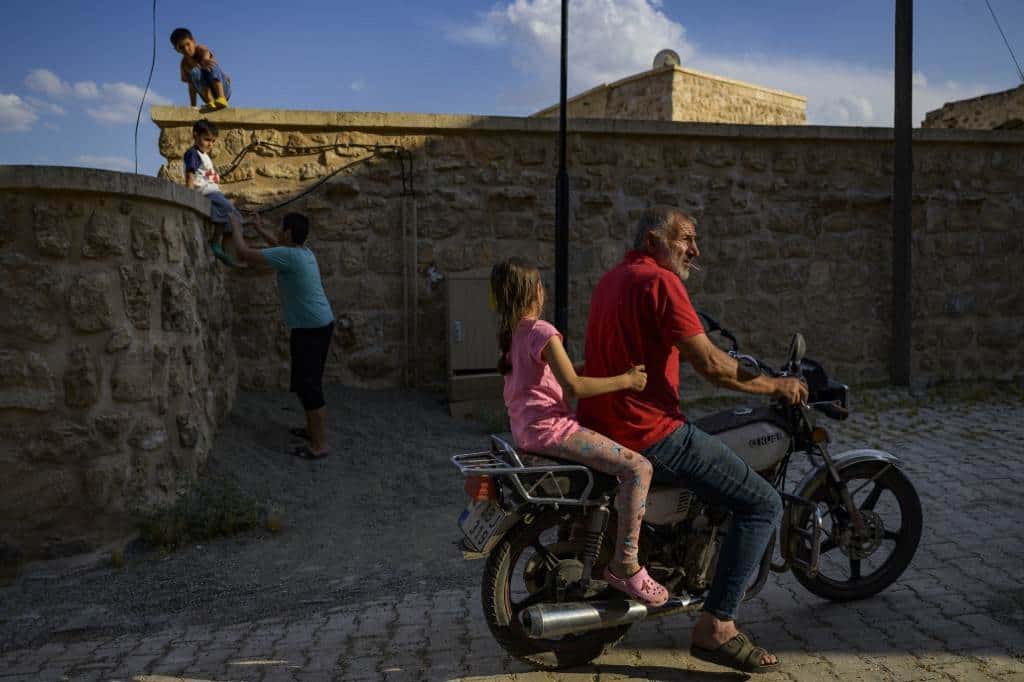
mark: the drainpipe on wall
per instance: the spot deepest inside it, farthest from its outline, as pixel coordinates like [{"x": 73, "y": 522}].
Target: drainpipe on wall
[{"x": 410, "y": 285}]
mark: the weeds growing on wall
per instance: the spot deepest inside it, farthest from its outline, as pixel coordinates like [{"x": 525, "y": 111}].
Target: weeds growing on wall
[{"x": 214, "y": 507}]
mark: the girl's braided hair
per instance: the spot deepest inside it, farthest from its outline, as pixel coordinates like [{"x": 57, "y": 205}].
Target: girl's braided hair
[{"x": 514, "y": 284}]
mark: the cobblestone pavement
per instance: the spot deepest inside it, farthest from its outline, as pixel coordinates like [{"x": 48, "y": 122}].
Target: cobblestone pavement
[{"x": 955, "y": 614}]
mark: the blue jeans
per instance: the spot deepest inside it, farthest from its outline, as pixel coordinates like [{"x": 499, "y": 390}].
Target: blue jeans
[
  {"x": 717, "y": 475},
  {"x": 203, "y": 80}
]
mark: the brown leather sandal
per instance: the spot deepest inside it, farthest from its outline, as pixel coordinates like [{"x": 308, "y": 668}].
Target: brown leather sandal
[{"x": 739, "y": 653}]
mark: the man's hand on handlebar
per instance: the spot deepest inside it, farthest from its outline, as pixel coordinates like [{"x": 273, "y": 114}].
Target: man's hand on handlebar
[{"x": 791, "y": 389}]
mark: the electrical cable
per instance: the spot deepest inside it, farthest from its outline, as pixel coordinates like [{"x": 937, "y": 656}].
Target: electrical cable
[
  {"x": 398, "y": 152},
  {"x": 138, "y": 117},
  {"x": 1020, "y": 72}
]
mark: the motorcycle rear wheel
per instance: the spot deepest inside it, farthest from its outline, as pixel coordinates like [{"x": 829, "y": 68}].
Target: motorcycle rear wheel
[
  {"x": 508, "y": 564},
  {"x": 869, "y": 484}
]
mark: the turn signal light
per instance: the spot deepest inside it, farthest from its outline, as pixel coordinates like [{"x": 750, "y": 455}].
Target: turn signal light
[
  {"x": 480, "y": 488},
  {"x": 819, "y": 435}
]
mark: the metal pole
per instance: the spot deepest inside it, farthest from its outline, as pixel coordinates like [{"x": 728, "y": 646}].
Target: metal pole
[
  {"x": 562, "y": 197},
  {"x": 903, "y": 167}
]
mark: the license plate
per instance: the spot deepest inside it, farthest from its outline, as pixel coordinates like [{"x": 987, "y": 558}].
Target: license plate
[{"x": 479, "y": 521}]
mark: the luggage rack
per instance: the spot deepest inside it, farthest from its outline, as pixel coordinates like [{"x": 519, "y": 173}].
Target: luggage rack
[{"x": 503, "y": 461}]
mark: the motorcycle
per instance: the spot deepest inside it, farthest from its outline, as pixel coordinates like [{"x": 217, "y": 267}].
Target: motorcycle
[{"x": 849, "y": 529}]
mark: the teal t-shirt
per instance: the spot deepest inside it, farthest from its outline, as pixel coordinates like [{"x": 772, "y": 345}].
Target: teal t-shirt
[{"x": 303, "y": 301}]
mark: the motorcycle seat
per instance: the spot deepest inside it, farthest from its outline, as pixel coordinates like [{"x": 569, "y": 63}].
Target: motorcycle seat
[{"x": 569, "y": 483}]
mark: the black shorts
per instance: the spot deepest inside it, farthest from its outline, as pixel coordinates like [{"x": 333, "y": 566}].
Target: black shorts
[{"x": 309, "y": 355}]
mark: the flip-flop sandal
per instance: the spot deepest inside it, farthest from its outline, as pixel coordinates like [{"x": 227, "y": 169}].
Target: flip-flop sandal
[
  {"x": 300, "y": 432},
  {"x": 305, "y": 453},
  {"x": 220, "y": 254},
  {"x": 739, "y": 653},
  {"x": 639, "y": 586}
]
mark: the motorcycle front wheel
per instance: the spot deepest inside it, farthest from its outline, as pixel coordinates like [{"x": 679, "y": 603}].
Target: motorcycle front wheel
[
  {"x": 854, "y": 566},
  {"x": 521, "y": 571}
]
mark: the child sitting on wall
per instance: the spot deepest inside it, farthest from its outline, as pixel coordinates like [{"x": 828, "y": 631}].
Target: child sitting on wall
[
  {"x": 201, "y": 175},
  {"x": 201, "y": 71}
]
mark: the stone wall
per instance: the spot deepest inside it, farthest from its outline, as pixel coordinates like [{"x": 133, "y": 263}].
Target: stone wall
[
  {"x": 794, "y": 221},
  {"x": 673, "y": 93},
  {"x": 115, "y": 353},
  {"x": 699, "y": 96},
  {"x": 1000, "y": 110}
]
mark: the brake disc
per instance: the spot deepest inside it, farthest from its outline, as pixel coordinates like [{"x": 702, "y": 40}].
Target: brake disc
[{"x": 862, "y": 546}]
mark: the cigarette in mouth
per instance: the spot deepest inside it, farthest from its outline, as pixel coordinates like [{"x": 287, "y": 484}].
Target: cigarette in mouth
[{"x": 694, "y": 266}]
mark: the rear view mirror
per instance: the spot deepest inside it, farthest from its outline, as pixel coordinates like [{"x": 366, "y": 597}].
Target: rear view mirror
[{"x": 797, "y": 349}]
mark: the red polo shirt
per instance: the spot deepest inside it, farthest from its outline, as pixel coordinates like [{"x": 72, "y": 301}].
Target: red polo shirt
[{"x": 639, "y": 311}]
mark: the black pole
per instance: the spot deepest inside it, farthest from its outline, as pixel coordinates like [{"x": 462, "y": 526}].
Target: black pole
[
  {"x": 903, "y": 167},
  {"x": 562, "y": 197}
]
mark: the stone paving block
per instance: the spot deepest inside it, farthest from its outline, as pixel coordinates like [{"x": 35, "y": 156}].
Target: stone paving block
[
  {"x": 1012, "y": 639},
  {"x": 342, "y": 621},
  {"x": 1000, "y": 665},
  {"x": 135, "y": 665},
  {"x": 360, "y": 669},
  {"x": 966, "y": 670},
  {"x": 376, "y": 622}
]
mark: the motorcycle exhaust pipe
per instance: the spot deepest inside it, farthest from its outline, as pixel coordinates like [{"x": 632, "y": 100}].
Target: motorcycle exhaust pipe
[{"x": 544, "y": 621}]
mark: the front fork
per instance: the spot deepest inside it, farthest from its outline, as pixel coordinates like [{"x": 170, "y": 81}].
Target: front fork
[{"x": 845, "y": 498}]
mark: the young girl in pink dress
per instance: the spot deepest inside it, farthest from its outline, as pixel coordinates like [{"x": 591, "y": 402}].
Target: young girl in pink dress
[{"x": 538, "y": 375}]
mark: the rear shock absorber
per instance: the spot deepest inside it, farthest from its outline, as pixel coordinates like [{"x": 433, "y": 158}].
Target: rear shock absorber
[{"x": 593, "y": 536}]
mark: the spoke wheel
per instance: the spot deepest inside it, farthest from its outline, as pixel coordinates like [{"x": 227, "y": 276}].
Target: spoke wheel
[
  {"x": 526, "y": 568},
  {"x": 855, "y": 565}
]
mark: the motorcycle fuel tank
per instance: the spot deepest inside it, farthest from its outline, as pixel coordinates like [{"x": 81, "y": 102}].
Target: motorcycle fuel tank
[{"x": 760, "y": 444}]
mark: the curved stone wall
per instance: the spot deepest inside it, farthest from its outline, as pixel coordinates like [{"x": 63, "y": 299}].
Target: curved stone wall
[{"x": 116, "y": 360}]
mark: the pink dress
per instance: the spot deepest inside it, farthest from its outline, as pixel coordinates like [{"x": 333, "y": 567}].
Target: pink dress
[{"x": 540, "y": 417}]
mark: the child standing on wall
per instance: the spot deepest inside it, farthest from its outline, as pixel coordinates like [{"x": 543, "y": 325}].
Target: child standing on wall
[
  {"x": 538, "y": 374},
  {"x": 201, "y": 175},
  {"x": 201, "y": 71}
]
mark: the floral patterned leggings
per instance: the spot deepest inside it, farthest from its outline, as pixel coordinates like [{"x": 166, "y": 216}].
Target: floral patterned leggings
[{"x": 634, "y": 474}]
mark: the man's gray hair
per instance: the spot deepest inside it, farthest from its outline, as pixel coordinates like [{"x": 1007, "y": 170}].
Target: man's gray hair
[{"x": 658, "y": 220}]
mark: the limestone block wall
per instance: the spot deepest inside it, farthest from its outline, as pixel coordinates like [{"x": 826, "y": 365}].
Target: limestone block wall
[
  {"x": 676, "y": 94},
  {"x": 699, "y": 96},
  {"x": 115, "y": 353},
  {"x": 795, "y": 231},
  {"x": 646, "y": 96},
  {"x": 1003, "y": 110}
]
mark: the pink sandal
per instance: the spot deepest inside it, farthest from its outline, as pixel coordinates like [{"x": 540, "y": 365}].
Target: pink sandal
[{"x": 640, "y": 586}]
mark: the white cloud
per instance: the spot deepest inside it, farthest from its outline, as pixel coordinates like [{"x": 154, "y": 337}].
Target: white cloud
[
  {"x": 40, "y": 105},
  {"x": 608, "y": 39},
  {"x": 86, "y": 90},
  {"x": 120, "y": 102},
  {"x": 358, "y": 85},
  {"x": 837, "y": 93},
  {"x": 15, "y": 114},
  {"x": 46, "y": 82},
  {"x": 116, "y": 163},
  {"x": 611, "y": 39},
  {"x": 111, "y": 102}
]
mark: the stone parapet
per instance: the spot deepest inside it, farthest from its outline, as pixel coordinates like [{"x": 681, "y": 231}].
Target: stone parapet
[
  {"x": 995, "y": 111},
  {"x": 795, "y": 226},
  {"x": 115, "y": 353},
  {"x": 673, "y": 93}
]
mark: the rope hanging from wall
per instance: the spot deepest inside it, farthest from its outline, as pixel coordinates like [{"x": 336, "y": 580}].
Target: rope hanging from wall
[{"x": 376, "y": 151}]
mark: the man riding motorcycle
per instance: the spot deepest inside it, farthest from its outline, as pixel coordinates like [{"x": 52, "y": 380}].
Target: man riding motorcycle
[{"x": 640, "y": 313}]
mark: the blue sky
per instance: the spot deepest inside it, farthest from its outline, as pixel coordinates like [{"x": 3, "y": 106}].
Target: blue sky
[{"x": 72, "y": 80}]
